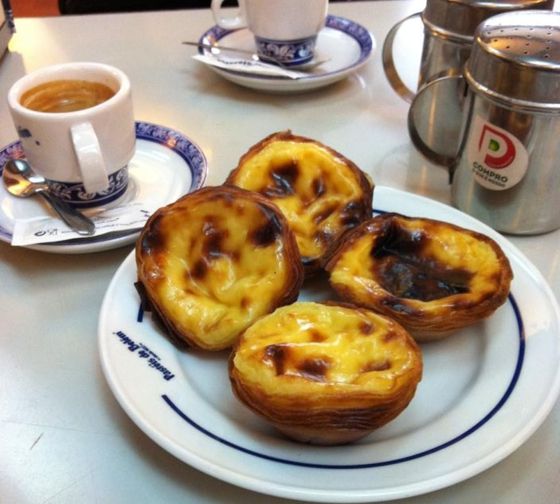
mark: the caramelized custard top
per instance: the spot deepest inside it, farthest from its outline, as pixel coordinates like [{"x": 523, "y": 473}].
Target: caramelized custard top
[
  {"x": 405, "y": 268},
  {"x": 217, "y": 259},
  {"x": 321, "y": 193},
  {"x": 334, "y": 345},
  {"x": 411, "y": 262}
]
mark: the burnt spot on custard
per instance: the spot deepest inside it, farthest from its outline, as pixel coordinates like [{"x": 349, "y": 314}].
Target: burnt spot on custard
[
  {"x": 352, "y": 214},
  {"x": 198, "y": 270},
  {"x": 267, "y": 233},
  {"x": 380, "y": 365},
  {"x": 390, "y": 336},
  {"x": 318, "y": 187},
  {"x": 213, "y": 240},
  {"x": 239, "y": 210},
  {"x": 311, "y": 368},
  {"x": 366, "y": 328},
  {"x": 314, "y": 369},
  {"x": 403, "y": 268},
  {"x": 277, "y": 355},
  {"x": 283, "y": 180},
  {"x": 212, "y": 248},
  {"x": 316, "y": 336},
  {"x": 245, "y": 302}
]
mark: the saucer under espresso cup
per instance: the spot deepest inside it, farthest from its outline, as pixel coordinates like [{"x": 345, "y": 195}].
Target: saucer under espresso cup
[
  {"x": 347, "y": 45},
  {"x": 76, "y": 126},
  {"x": 285, "y": 31}
]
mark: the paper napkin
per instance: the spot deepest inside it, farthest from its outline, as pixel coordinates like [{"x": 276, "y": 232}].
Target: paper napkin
[
  {"x": 47, "y": 229},
  {"x": 249, "y": 66}
]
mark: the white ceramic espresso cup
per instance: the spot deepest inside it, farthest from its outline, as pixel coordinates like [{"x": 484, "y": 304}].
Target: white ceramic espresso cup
[
  {"x": 284, "y": 30},
  {"x": 84, "y": 153}
]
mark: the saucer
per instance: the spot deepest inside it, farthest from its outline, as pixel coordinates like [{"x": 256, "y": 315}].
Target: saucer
[
  {"x": 346, "y": 44},
  {"x": 165, "y": 165}
]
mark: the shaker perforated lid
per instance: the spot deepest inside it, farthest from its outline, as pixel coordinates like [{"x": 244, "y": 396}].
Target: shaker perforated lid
[
  {"x": 516, "y": 58},
  {"x": 460, "y": 18}
]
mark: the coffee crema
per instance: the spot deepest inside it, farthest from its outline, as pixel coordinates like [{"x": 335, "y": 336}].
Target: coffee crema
[{"x": 66, "y": 96}]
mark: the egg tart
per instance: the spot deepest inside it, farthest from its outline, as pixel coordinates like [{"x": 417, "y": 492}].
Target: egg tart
[
  {"x": 214, "y": 261},
  {"x": 431, "y": 276},
  {"x": 321, "y": 193},
  {"x": 325, "y": 373}
]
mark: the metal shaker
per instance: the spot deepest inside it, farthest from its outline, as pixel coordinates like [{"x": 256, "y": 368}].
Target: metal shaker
[
  {"x": 506, "y": 170},
  {"x": 449, "y": 27}
]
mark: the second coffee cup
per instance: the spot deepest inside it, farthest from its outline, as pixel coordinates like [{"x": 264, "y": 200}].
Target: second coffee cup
[{"x": 285, "y": 31}]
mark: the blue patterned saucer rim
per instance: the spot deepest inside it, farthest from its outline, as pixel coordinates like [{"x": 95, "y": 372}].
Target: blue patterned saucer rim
[
  {"x": 184, "y": 147},
  {"x": 354, "y": 30},
  {"x": 288, "y": 52}
]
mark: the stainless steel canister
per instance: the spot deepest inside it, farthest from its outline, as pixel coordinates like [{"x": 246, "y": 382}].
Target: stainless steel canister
[
  {"x": 506, "y": 164},
  {"x": 449, "y": 27}
]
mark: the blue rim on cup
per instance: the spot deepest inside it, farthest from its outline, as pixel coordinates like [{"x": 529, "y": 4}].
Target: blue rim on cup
[
  {"x": 76, "y": 195},
  {"x": 287, "y": 52}
]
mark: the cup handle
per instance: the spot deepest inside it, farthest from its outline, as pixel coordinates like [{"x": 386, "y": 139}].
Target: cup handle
[
  {"x": 228, "y": 23},
  {"x": 389, "y": 62},
  {"x": 90, "y": 158},
  {"x": 435, "y": 119}
]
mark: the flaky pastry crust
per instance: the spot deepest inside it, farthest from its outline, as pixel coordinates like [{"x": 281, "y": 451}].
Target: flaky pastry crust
[
  {"x": 214, "y": 261},
  {"x": 321, "y": 192},
  {"x": 431, "y": 276},
  {"x": 325, "y": 373}
]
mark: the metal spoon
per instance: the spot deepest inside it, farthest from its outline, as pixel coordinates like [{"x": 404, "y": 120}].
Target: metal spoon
[
  {"x": 21, "y": 181},
  {"x": 258, "y": 57}
]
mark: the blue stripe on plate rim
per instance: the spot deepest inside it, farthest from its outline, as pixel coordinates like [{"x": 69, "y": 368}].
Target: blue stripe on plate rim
[
  {"x": 509, "y": 389},
  {"x": 178, "y": 143},
  {"x": 360, "y": 34}
]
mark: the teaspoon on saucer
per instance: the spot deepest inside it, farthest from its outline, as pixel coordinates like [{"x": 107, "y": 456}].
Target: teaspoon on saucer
[
  {"x": 256, "y": 57},
  {"x": 21, "y": 181}
]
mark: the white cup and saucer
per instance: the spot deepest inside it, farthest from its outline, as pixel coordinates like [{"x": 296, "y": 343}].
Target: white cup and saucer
[
  {"x": 293, "y": 32},
  {"x": 77, "y": 129}
]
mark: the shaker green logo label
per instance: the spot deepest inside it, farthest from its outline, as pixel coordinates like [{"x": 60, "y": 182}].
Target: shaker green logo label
[
  {"x": 493, "y": 146},
  {"x": 498, "y": 159}
]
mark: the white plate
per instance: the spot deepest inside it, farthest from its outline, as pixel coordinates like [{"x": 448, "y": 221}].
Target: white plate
[
  {"x": 347, "y": 44},
  {"x": 485, "y": 390},
  {"x": 165, "y": 166}
]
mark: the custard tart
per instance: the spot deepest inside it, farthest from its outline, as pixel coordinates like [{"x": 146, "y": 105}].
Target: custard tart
[
  {"x": 431, "y": 276},
  {"x": 321, "y": 193},
  {"x": 213, "y": 262},
  {"x": 325, "y": 373}
]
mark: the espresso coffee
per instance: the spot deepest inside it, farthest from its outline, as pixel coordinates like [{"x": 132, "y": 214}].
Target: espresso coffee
[{"x": 65, "y": 96}]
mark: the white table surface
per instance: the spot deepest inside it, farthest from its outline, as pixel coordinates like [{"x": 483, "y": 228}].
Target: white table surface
[{"x": 63, "y": 437}]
